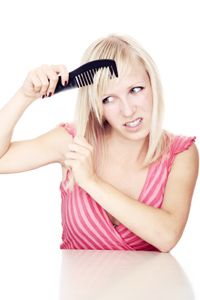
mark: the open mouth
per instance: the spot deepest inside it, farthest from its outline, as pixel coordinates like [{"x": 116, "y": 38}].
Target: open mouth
[{"x": 134, "y": 123}]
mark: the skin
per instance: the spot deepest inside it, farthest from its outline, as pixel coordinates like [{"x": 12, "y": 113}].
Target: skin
[
  {"x": 160, "y": 227},
  {"x": 125, "y": 101}
]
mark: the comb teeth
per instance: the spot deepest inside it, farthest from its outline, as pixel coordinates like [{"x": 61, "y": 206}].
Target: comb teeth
[
  {"x": 87, "y": 78},
  {"x": 84, "y": 75}
]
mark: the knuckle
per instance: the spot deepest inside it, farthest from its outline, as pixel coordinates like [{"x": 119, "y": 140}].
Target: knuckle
[
  {"x": 54, "y": 78},
  {"x": 63, "y": 66},
  {"x": 31, "y": 73},
  {"x": 44, "y": 87},
  {"x": 44, "y": 66},
  {"x": 91, "y": 148},
  {"x": 37, "y": 86},
  {"x": 59, "y": 65},
  {"x": 51, "y": 87},
  {"x": 45, "y": 84}
]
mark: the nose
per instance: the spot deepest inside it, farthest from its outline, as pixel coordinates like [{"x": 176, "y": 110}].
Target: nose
[{"x": 126, "y": 107}]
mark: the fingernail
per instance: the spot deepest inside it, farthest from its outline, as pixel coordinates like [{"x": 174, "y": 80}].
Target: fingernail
[
  {"x": 43, "y": 96},
  {"x": 50, "y": 94},
  {"x": 65, "y": 83}
]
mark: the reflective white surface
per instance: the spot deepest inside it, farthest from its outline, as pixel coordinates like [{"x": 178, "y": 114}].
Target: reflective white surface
[
  {"x": 92, "y": 274},
  {"x": 127, "y": 275}
]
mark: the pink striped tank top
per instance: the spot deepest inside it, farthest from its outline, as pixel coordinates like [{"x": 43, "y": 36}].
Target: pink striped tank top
[{"x": 86, "y": 224}]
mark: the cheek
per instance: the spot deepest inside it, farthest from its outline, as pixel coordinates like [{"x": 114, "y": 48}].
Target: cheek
[
  {"x": 110, "y": 111},
  {"x": 146, "y": 102}
]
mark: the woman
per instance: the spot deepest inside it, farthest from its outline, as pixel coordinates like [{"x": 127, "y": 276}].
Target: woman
[{"x": 127, "y": 184}]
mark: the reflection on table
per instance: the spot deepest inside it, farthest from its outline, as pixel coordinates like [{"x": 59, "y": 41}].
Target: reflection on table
[{"x": 97, "y": 274}]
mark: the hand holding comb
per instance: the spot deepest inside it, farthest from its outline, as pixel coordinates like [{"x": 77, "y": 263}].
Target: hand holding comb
[{"x": 84, "y": 75}]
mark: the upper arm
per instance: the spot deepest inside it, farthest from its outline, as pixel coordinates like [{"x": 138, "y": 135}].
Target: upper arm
[
  {"x": 180, "y": 187},
  {"x": 31, "y": 154}
]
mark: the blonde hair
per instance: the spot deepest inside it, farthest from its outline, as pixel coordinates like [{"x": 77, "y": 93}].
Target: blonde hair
[{"x": 89, "y": 121}]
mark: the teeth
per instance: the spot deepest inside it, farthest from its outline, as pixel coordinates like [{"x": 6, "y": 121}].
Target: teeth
[{"x": 135, "y": 123}]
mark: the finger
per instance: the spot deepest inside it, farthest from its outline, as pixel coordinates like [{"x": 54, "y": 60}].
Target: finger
[
  {"x": 81, "y": 148},
  {"x": 37, "y": 84},
  {"x": 74, "y": 155},
  {"x": 44, "y": 81},
  {"x": 78, "y": 148},
  {"x": 63, "y": 72},
  {"x": 68, "y": 163},
  {"x": 52, "y": 79},
  {"x": 82, "y": 141}
]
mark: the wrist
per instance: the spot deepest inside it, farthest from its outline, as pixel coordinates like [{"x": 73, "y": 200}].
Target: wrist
[
  {"x": 24, "y": 97},
  {"x": 90, "y": 185}
]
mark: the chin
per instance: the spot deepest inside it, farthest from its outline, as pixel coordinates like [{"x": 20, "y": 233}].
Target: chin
[{"x": 137, "y": 135}]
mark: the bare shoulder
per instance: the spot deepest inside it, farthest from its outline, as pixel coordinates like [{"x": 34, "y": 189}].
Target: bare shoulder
[
  {"x": 186, "y": 168},
  {"x": 182, "y": 178},
  {"x": 187, "y": 162}
]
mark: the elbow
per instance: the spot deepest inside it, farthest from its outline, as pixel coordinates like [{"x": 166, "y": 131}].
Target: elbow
[
  {"x": 167, "y": 244},
  {"x": 165, "y": 249}
]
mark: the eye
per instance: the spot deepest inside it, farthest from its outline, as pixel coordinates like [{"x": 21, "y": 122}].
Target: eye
[
  {"x": 105, "y": 100},
  {"x": 137, "y": 89}
]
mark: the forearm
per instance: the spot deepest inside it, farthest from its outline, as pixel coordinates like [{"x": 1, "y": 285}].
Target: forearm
[
  {"x": 151, "y": 224},
  {"x": 9, "y": 115}
]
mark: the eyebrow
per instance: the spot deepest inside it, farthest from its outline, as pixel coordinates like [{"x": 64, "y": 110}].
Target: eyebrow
[
  {"x": 136, "y": 83},
  {"x": 128, "y": 88}
]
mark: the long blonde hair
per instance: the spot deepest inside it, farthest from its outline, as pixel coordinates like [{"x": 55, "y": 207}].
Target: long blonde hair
[{"x": 89, "y": 121}]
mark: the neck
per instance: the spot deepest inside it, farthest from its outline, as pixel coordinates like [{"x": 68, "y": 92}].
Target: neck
[{"x": 125, "y": 152}]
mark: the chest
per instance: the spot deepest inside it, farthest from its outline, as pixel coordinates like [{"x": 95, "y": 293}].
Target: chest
[{"x": 127, "y": 181}]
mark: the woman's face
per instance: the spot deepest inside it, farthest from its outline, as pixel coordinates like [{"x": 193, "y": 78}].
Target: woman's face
[{"x": 127, "y": 99}]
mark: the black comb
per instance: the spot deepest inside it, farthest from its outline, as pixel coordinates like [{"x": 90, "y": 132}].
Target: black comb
[{"x": 84, "y": 75}]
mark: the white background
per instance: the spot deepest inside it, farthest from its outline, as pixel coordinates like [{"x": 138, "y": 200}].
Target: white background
[{"x": 53, "y": 32}]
